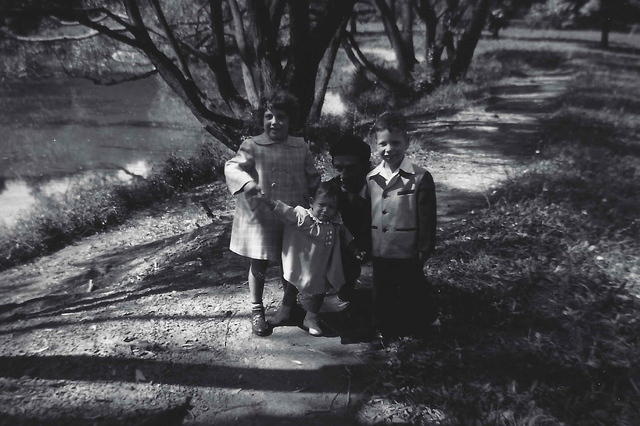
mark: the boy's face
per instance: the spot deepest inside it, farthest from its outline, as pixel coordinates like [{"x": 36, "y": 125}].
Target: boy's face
[
  {"x": 391, "y": 146},
  {"x": 352, "y": 171},
  {"x": 324, "y": 207},
  {"x": 276, "y": 124}
]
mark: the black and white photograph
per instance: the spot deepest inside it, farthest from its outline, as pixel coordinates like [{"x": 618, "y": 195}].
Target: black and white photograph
[{"x": 319, "y": 212}]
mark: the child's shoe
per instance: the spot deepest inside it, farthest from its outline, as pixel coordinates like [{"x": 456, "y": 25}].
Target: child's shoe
[
  {"x": 312, "y": 324},
  {"x": 259, "y": 325},
  {"x": 283, "y": 316}
]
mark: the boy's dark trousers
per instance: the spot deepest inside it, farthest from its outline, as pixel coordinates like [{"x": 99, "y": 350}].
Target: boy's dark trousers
[{"x": 402, "y": 300}]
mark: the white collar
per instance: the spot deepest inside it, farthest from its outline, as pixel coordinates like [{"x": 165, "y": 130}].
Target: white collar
[
  {"x": 382, "y": 169},
  {"x": 336, "y": 219}
]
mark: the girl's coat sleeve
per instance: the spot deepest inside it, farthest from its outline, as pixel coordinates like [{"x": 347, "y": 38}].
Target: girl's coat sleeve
[
  {"x": 237, "y": 171},
  {"x": 426, "y": 214}
]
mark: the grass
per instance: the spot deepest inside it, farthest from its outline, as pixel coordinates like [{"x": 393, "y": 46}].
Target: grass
[
  {"x": 96, "y": 202},
  {"x": 540, "y": 293}
]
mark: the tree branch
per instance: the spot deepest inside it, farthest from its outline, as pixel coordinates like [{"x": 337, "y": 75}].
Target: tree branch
[
  {"x": 276, "y": 10},
  {"x": 218, "y": 61},
  {"x": 264, "y": 43},
  {"x": 49, "y": 39},
  {"x": 350, "y": 45},
  {"x": 172, "y": 39},
  {"x": 222, "y": 127},
  {"x": 247, "y": 56}
]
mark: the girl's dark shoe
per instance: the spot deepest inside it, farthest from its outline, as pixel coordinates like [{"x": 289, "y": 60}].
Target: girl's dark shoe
[
  {"x": 259, "y": 325},
  {"x": 283, "y": 316}
]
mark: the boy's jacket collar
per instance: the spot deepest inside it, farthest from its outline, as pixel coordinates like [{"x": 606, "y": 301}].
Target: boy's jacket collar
[{"x": 406, "y": 166}]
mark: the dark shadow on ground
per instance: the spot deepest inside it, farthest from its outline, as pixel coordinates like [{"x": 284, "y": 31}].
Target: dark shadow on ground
[
  {"x": 119, "y": 317},
  {"x": 197, "y": 264},
  {"x": 110, "y": 369},
  {"x": 333, "y": 417}
]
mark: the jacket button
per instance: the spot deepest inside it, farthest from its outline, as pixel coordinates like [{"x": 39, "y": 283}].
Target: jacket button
[
  {"x": 384, "y": 212},
  {"x": 384, "y": 229}
]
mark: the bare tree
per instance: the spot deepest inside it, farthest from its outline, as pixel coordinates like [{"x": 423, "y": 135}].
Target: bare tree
[
  {"x": 272, "y": 43},
  {"x": 452, "y": 27}
]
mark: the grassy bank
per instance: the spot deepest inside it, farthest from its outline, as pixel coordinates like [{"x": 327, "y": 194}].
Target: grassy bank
[
  {"x": 540, "y": 292},
  {"x": 94, "y": 203}
]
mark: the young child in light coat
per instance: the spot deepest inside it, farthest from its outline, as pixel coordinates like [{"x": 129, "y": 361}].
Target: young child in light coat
[{"x": 312, "y": 251}]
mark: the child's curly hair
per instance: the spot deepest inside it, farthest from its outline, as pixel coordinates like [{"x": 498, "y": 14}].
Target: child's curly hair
[{"x": 284, "y": 101}]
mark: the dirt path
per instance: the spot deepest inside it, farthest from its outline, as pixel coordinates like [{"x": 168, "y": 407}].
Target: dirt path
[{"x": 133, "y": 321}]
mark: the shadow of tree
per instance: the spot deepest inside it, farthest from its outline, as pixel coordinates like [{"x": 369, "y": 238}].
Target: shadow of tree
[
  {"x": 110, "y": 369},
  {"x": 179, "y": 262}
]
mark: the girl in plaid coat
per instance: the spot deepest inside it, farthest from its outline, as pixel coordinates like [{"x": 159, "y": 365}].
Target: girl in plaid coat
[{"x": 280, "y": 167}]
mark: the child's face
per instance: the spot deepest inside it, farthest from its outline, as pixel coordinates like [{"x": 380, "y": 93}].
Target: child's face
[
  {"x": 276, "y": 124},
  {"x": 391, "y": 146},
  {"x": 324, "y": 207}
]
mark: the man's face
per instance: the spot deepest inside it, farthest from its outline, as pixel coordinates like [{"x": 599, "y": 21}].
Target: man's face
[
  {"x": 352, "y": 171},
  {"x": 276, "y": 124}
]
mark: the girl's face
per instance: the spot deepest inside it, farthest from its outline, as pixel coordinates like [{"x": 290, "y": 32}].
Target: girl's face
[
  {"x": 391, "y": 146},
  {"x": 276, "y": 124},
  {"x": 324, "y": 207}
]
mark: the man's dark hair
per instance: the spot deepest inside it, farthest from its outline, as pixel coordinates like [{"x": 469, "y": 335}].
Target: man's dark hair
[
  {"x": 350, "y": 144},
  {"x": 391, "y": 121},
  {"x": 329, "y": 189}
]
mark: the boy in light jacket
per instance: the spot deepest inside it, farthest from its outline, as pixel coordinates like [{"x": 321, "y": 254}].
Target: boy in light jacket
[{"x": 403, "y": 230}]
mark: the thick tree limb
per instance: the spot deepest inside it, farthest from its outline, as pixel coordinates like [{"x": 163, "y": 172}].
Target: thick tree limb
[
  {"x": 276, "y": 10},
  {"x": 49, "y": 39},
  {"x": 224, "y": 128},
  {"x": 172, "y": 38},
  {"x": 393, "y": 34},
  {"x": 218, "y": 62},
  {"x": 250, "y": 75},
  {"x": 469, "y": 40},
  {"x": 360, "y": 61},
  {"x": 325, "y": 71}
]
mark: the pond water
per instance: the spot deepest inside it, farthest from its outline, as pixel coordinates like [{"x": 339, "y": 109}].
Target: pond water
[{"x": 52, "y": 130}]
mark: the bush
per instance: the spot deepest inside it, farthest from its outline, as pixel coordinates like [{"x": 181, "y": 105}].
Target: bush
[
  {"x": 95, "y": 202},
  {"x": 553, "y": 14}
]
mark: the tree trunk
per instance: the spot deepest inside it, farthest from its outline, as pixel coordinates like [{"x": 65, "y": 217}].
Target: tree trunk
[
  {"x": 324, "y": 75},
  {"x": 404, "y": 13},
  {"x": 433, "y": 52},
  {"x": 265, "y": 44},
  {"x": 468, "y": 41},
  {"x": 397, "y": 44},
  {"x": 250, "y": 74}
]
